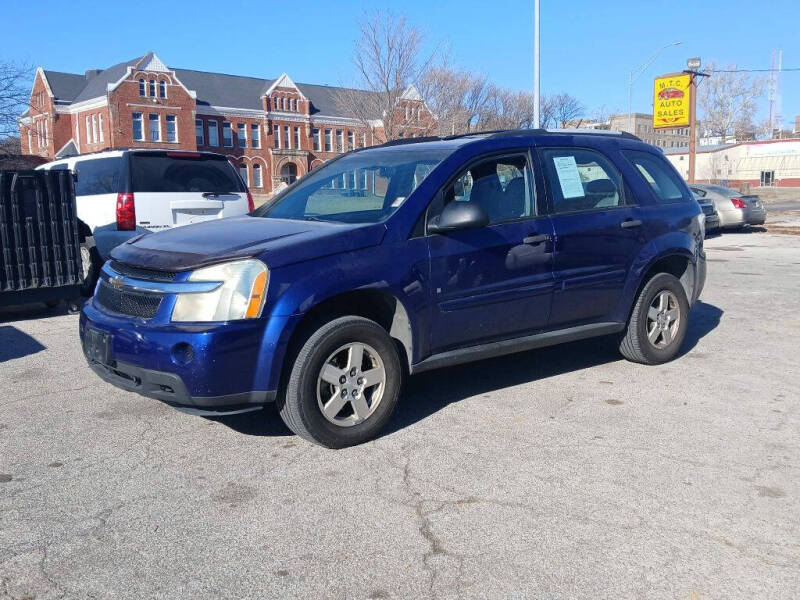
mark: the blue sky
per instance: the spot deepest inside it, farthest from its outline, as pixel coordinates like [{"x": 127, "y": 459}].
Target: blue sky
[{"x": 588, "y": 47}]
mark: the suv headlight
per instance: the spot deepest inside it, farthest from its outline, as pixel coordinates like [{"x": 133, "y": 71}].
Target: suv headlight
[{"x": 240, "y": 296}]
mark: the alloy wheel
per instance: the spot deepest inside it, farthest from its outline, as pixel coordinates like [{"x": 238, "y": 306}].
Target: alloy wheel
[
  {"x": 350, "y": 384},
  {"x": 663, "y": 319}
]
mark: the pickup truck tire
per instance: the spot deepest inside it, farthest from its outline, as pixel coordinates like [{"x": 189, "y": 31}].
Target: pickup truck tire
[
  {"x": 658, "y": 322},
  {"x": 344, "y": 383}
]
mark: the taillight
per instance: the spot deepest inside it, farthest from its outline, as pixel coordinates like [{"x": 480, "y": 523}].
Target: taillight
[
  {"x": 737, "y": 203},
  {"x": 126, "y": 212},
  {"x": 251, "y": 206}
]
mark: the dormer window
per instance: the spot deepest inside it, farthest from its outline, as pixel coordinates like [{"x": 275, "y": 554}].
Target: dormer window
[
  {"x": 152, "y": 88},
  {"x": 142, "y": 88},
  {"x": 162, "y": 88}
]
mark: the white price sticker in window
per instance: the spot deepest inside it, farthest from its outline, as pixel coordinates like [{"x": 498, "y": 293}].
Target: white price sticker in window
[{"x": 568, "y": 176}]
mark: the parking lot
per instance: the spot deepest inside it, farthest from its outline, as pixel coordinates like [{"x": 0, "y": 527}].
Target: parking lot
[{"x": 560, "y": 473}]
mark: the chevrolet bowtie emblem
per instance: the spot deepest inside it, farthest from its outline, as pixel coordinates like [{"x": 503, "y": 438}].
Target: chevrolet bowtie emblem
[{"x": 116, "y": 283}]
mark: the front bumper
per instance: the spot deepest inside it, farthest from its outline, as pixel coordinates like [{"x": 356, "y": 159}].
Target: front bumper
[{"x": 213, "y": 368}]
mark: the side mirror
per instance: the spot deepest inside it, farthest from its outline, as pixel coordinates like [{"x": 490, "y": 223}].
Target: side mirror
[{"x": 459, "y": 215}]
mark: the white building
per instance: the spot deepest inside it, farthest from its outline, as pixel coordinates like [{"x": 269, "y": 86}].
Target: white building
[{"x": 761, "y": 163}]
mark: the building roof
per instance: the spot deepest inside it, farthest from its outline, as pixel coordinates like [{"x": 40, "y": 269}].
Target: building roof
[
  {"x": 213, "y": 89},
  {"x": 65, "y": 86}
]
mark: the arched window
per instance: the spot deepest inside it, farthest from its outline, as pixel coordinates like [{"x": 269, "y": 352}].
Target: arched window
[
  {"x": 152, "y": 88},
  {"x": 289, "y": 173},
  {"x": 162, "y": 88},
  {"x": 256, "y": 175},
  {"x": 142, "y": 89}
]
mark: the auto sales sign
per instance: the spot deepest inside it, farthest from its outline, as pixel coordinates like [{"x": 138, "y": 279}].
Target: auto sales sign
[{"x": 671, "y": 101}]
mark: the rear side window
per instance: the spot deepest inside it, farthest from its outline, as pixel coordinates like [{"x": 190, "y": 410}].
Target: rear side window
[
  {"x": 98, "y": 176},
  {"x": 699, "y": 193},
  {"x": 164, "y": 173},
  {"x": 581, "y": 180},
  {"x": 665, "y": 183}
]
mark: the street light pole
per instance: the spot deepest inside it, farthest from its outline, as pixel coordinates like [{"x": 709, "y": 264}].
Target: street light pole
[
  {"x": 636, "y": 73},
  {"x": 536, "y": 96}
]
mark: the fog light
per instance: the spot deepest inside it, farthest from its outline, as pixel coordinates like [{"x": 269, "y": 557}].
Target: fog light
[{"x": 182, "y": 353}]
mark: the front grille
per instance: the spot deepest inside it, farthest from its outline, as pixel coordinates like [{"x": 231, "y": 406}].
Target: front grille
[
  {"x": 140, "y": 273},
  {"x": 124, "y": 302}
]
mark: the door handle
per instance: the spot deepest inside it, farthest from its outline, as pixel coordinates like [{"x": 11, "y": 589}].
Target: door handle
[
  {"x": 628, "y": 223},
  {"x": 536, "y": 239}
]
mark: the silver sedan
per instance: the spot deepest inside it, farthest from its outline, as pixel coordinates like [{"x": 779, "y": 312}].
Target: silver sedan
[{"x": 735, "y": 209}]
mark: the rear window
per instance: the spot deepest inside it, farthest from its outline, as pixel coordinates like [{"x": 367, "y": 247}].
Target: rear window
[
  {"x": 662, "y": 178},
  {"x": 98, "y": 176},
  {"x": 162, "y": 173}
]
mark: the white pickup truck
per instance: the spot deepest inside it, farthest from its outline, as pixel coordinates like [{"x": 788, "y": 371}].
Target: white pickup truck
[{"x": 123, "y": 193}]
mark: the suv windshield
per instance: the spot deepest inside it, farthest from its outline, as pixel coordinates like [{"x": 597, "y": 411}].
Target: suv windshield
[
  {"x": 176, "y": 172},
  {"x": 363, "y": 187}
]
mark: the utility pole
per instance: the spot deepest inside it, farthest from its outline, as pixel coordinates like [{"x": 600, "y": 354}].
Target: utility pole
[
  {"x": 536, "y": 94},
  {"x": 693, "y": 65}
]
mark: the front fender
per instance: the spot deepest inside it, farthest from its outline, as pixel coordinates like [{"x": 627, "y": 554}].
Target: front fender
[{"x": 401, "y": 272}]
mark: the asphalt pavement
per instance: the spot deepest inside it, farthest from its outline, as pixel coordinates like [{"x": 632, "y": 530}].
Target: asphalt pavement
[{"x": 563, "y": 473}]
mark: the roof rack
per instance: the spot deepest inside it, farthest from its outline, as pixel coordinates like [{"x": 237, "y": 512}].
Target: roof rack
[{"x": 502, "y": 133}]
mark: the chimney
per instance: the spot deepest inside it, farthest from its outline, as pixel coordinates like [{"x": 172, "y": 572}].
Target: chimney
[{"x": 92, "y": 73}]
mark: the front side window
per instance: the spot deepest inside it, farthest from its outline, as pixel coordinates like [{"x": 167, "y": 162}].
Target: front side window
[
  {"x": 581, "y": 180},
  {"x": 213, "y": 133},
  {"x": 198, "y": 133},
  {"x": 227, "y": 135},
  {"x": 255, "y": 135},
  {"x": 138, "y": 129},
  {"x": 329, "y": 192},
  {"x": 241, "y": 135},
  {"x": 154, "y": 128},
  {"x": 172, "y": 129},
  {"x": 500, "y": 186},
  {"x": 665, "y": 183}
]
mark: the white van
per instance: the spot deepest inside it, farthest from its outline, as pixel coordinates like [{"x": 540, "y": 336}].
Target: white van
[{"x": 124, "y": 193}]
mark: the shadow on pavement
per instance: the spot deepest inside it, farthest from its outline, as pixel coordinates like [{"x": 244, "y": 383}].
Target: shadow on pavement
[
  {"x": 427, "y": 393},
  {"x": 16, "y": 344}
]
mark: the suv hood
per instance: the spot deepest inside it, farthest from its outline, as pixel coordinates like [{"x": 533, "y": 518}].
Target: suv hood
[{"x": 277, "y": 241}]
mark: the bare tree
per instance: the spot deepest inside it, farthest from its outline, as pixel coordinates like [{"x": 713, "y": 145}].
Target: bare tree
[
  {"x": 728, "y": 101},
  {"x": 566, "y": 109},
  {"x": 388, "y": 57},
  {"x": 15, "y": 89}
]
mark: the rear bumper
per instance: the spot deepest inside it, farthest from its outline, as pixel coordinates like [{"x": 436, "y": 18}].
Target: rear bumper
[
  {"x": 712, "y": 222},
  {"x": 700, "y": 276}
]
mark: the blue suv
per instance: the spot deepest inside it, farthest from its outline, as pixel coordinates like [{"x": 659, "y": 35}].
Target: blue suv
[{"x": 397, "y": 259}]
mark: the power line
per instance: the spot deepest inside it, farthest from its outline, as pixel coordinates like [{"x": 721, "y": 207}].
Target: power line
[{"x": 751, "y": 70}]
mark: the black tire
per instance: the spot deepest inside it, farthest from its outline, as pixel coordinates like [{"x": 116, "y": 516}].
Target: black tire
[
  {"x": 92, "y": 269},
  {"x": 298, "y": 405},
  {"x": 635, "y": 345}
]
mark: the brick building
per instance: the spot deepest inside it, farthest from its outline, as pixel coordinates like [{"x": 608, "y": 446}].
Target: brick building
[{"x": 273, "y": 130}]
